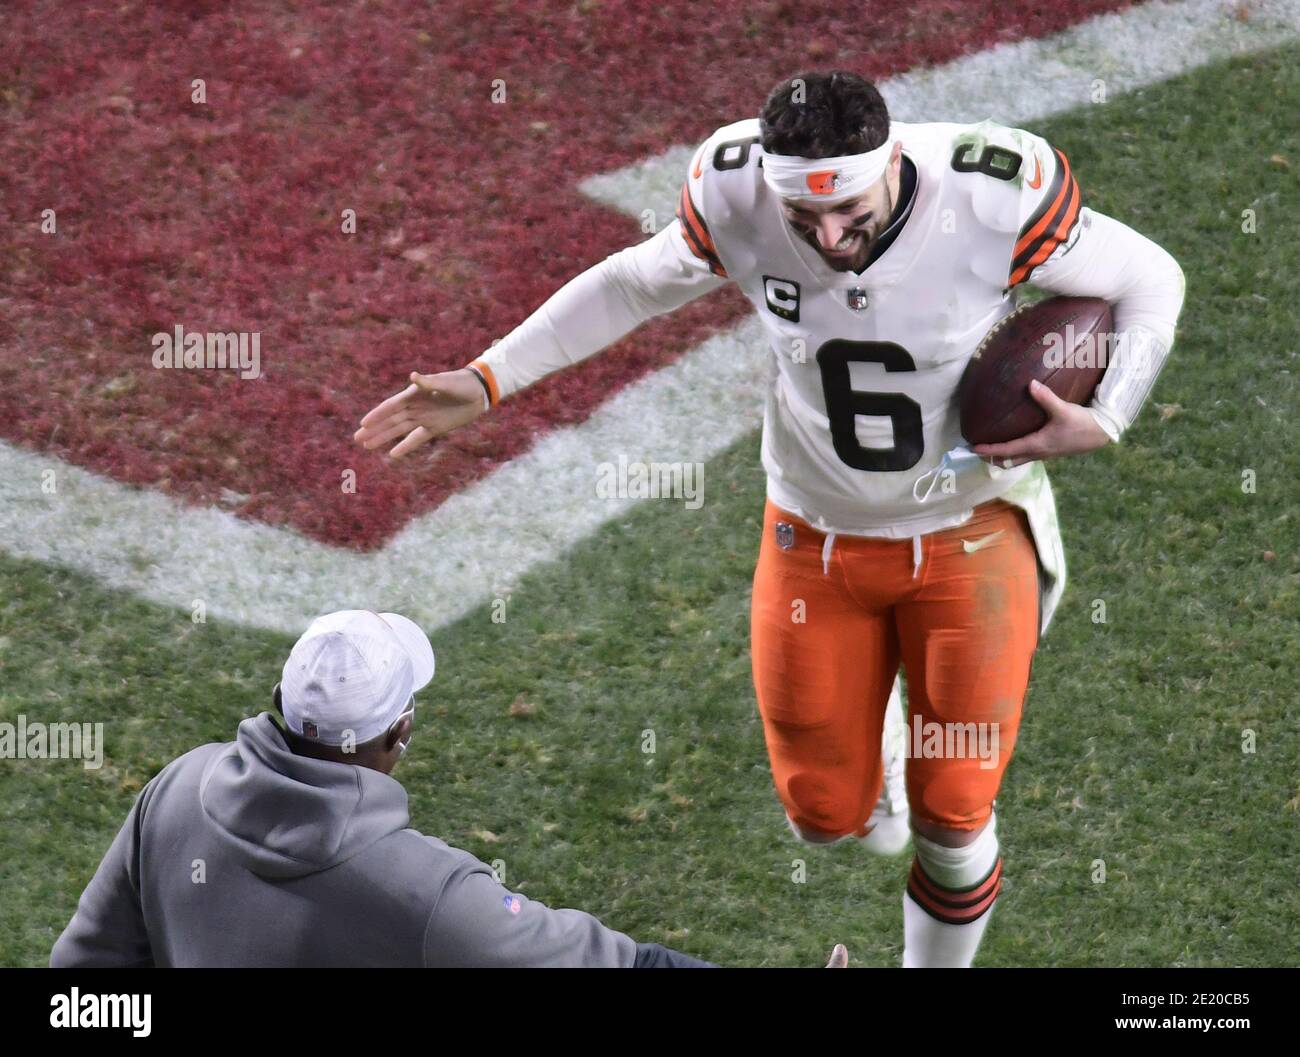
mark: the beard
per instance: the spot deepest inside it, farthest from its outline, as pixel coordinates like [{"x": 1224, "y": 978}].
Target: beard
[
  {"x": 867, "y": 237},
  {"x": 867, "y": 240}
]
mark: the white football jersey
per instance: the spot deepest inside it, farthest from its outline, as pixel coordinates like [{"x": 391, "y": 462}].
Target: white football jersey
[{"x": 863, "y": 406}]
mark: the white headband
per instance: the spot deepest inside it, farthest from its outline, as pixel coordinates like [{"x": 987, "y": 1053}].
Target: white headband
[{"x": 825, "y": 179}]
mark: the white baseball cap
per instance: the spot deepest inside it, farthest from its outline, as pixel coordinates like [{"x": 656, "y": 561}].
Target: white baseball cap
[{"x": 353, "y": 671}]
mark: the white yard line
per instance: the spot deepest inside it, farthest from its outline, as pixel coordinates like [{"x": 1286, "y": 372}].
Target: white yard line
[{"x": 534, "y": 508}]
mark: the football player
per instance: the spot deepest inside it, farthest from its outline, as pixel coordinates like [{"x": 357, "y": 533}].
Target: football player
[{"x": 877, "y": 254}]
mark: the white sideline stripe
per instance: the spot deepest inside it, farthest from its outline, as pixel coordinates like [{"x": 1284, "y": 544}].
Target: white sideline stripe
[
  {"x": 441, "y": 566},
  {"x": 534, "y": 508}
]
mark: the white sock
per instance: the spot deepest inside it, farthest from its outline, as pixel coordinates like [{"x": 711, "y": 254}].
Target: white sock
[{"x": 949, "y": 901}]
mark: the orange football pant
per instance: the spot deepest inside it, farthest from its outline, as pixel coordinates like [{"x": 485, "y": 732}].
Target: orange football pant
[{"x": 828, "y": 633}]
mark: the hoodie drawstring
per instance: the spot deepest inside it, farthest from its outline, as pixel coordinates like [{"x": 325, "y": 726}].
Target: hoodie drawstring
[
  {"x": 826, "y": 553},
  {"x": 916, "y": 557}
]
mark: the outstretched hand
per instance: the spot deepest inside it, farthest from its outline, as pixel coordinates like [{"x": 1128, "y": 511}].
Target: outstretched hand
[
  {"x": 432, "y": 405},
  {"x": 1070, "y": 430}
]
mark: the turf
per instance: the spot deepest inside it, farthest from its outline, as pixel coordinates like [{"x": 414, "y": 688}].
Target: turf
[{"x": 529, "y": 746}]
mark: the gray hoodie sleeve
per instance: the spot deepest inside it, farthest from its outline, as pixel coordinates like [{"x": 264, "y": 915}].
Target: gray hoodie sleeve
[
  {"x": 108, "y": 929},
  {"x": 477, "y": 923}
]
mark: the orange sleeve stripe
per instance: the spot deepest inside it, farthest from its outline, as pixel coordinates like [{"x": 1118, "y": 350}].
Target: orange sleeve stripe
[
  {"x": 1063, "y": 229},
  {"x": 697, "y": 234},
  {"x": 485, "y": 372},
  {"x": 1027, "y": 238},
  {"x": 1052, "y": 227},
  {"x": 1049, "y": 244},
  {"x": 690, "y": 217}
]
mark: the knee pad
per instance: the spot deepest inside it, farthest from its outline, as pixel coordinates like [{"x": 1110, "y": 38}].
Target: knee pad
[{"x": 959, "y": 868}]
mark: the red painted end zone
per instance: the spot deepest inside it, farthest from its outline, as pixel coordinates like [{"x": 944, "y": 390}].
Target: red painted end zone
[{"x": 226, "y": 216}]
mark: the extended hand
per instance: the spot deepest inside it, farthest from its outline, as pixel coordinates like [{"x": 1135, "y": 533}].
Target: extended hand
[
  {"x": 839, "y": 957},
  {"x": 433, "y": 404},
  {"x": 1070, "y": 430}
]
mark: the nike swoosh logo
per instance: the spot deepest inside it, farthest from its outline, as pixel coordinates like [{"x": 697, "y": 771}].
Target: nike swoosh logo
[
  {"x": 699, "y": 158},
  {"x": 1037, "y": 181},
  {"x": 971, "y": 546}
]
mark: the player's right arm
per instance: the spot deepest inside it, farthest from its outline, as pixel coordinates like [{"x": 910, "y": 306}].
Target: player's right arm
[{"x": 589, "y": 313}]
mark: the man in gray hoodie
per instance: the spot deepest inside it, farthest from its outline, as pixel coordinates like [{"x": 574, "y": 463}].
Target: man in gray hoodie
[{"x": 293, "y": 847}]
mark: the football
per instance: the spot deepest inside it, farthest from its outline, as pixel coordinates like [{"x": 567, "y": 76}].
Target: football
[
  {"x": 1063, "y": 342},
  {"x": 626, "y": 370}
]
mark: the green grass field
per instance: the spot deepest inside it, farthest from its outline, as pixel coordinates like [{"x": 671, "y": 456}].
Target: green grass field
[{"x": 1131, "y": 748}]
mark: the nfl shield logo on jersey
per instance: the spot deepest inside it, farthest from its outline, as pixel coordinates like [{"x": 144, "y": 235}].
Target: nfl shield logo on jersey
[
  {"x": 784, "y": 535},
  {"x": 857, "y": 298}
]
